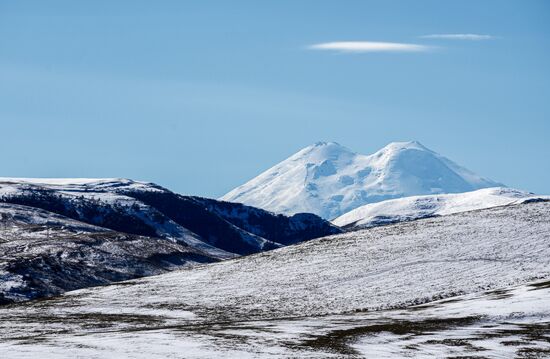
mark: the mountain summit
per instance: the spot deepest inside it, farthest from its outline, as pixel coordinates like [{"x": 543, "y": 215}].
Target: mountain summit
[{"x": 329, "y": 179}]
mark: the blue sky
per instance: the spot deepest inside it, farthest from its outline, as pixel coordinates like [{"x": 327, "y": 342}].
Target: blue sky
[{"x": 200, "y": 96}]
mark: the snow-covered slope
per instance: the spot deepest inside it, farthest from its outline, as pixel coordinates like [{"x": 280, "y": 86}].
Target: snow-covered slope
[
  {"x": 460, "y": 253},
  {"x": 414, "y": 207},
  {"x": 329, "y": 180},
  {"x": 333, "y": 291}
]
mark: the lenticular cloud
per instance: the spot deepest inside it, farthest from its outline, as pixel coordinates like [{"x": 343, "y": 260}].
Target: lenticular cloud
[{"x": 369, "y": 46}]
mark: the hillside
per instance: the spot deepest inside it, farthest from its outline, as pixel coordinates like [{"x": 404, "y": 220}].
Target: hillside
[{"x": 44, "y": 254}]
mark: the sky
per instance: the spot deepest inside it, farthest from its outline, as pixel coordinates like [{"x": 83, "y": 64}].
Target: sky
[{"x": 201, "y": 96}]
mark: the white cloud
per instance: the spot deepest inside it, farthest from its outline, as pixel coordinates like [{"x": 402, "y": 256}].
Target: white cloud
[
  {"x": 369, "y": 46},
  {"x": 474, "y": 37}
]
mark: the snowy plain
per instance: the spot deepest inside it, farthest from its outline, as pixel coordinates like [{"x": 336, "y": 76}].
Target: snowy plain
[{"x": 510, "y": 323}]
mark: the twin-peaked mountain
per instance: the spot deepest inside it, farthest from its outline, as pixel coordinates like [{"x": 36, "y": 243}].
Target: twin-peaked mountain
[{"x": 329, "y": 180}]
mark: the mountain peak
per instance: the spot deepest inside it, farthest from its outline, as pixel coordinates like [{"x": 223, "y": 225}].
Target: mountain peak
[
  {"x": 406, "y": 145},
  {"x": 321, "y": 151},
  {"x": 331, "y": 145},
  {"x": 329, "y": 179},
  {"x": 326, "y": 143}
]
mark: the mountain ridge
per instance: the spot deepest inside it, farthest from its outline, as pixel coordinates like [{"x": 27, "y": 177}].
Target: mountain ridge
[
  {"x": 144, "y": 208},
  {"x": 417, "y": 207}
]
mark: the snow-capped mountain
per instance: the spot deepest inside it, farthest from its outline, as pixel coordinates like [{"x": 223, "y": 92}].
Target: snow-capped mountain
[
  {"x": 329, "y": 180},
  {"x": 415, "y": 207}
]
